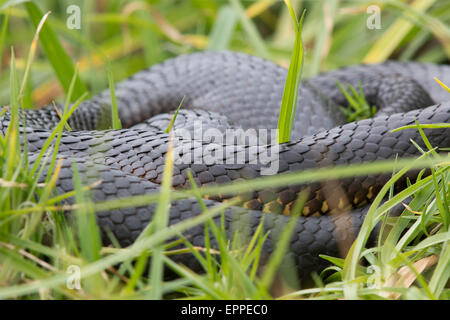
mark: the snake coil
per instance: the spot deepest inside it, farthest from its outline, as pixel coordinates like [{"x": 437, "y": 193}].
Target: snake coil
[{"x": 232, "y": 90}]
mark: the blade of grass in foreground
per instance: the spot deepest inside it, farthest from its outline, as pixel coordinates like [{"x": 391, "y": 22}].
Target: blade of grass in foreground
[
  {"x": 4, "y": 29},
  {"x": 32, "y": 54},
  {"x": 174, "y": 118},
  {"x": 290, "y": 95},
  {"x": 442, "y": 84},
  {"x": 160, "y": 221},
  {"x": 88, "y": 232},
  {"x": 87, "y": 227},
  {"x": 372, "y": 218},
  {"x": 116, "y": 123}
]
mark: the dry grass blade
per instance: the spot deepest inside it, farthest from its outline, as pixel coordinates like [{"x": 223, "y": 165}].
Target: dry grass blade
[
  {"x": 32, "y": 53},
  {"x": 405, "y": 277}
]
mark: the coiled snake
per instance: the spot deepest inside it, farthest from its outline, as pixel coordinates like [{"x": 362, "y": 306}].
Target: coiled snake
[{"x": 233, "y": 90}]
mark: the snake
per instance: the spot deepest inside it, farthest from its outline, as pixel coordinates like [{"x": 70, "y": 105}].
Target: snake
[{"x": 235, "y": 91}]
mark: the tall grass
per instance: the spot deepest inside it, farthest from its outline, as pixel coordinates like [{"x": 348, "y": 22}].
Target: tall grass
[{"x": 291, "y": 88}]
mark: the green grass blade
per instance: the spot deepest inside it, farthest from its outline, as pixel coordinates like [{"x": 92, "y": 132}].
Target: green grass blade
[
  {"x": 12, "y": 134},
  {"x": 354, "y": 254},
  {"x": 116, "y": 123},
  {"x": 31, "y": 55},
  {"x": 223, "y": 29},
  {"x": 441, "y": 274},
  {"x": 442, "y": 84},
  {"x": 62, "y": 64},
  {"x": 4, "y": 29},
  {"x": 56, "y": 131},
  {"x": 250, "y": 28},
  {"x": 88, "y": 231},
  {"x": 174, "y": 118},
  {"x": 160, "y": 221},
  {"x": 290, "y": 94},
  {"x": 394, "y": 35}
]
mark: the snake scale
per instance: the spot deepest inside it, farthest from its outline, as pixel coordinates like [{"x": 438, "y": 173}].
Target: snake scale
[{"x": 234, "y": 90}]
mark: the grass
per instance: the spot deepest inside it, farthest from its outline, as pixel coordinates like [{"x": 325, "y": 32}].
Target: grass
[
  {"x": 116, "y": 123},
  {"x": 37, "y": 244},
  {"x": 290, "y": 94},
  {"x": 61, "y": 62},
  {"x": 358, "y": 108}
]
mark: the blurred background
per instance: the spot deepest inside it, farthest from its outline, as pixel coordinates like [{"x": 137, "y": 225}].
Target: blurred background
[{"x": 133, "y": 35}]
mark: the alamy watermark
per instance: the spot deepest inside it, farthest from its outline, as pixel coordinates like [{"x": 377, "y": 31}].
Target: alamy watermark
[
  {"x": 74, "y": 19},
  {"x": 229, "y": 147},
  {"x": 74, "y": 280},
  {"x": 374, "y": 20}
]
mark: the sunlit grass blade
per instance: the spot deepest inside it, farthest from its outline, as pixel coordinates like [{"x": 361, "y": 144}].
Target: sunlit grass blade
[
  {"x": 290, "y": 95},
  {"x": 62, "y": 64},
  {"x": 12, "y": 143},
  {"x": 116, "y": 123},
  {"x": 32, "y": 54},
  {"x": 4, "y": 29},
  {"x": 322, "y": 174},
  {"x": 174, "y": 118},
  {"x": 442, "y": 84},
  {"x": 160, "y": 221},
  {"x": 88, "y": 231},
  {"x": 423, "y": 126},
  {"x": 58, "y": 129},
  {"x": 208, "y": 263}
]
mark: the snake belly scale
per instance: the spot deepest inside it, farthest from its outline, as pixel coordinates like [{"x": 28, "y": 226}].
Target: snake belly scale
[{"x": 233, "y": 90}]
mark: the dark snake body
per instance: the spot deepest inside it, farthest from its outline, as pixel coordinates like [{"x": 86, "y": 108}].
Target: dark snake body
[{"x": 235, "y": 90}]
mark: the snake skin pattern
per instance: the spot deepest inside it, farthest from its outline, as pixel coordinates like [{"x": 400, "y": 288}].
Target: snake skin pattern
[{"x": 232, "y": 90}]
